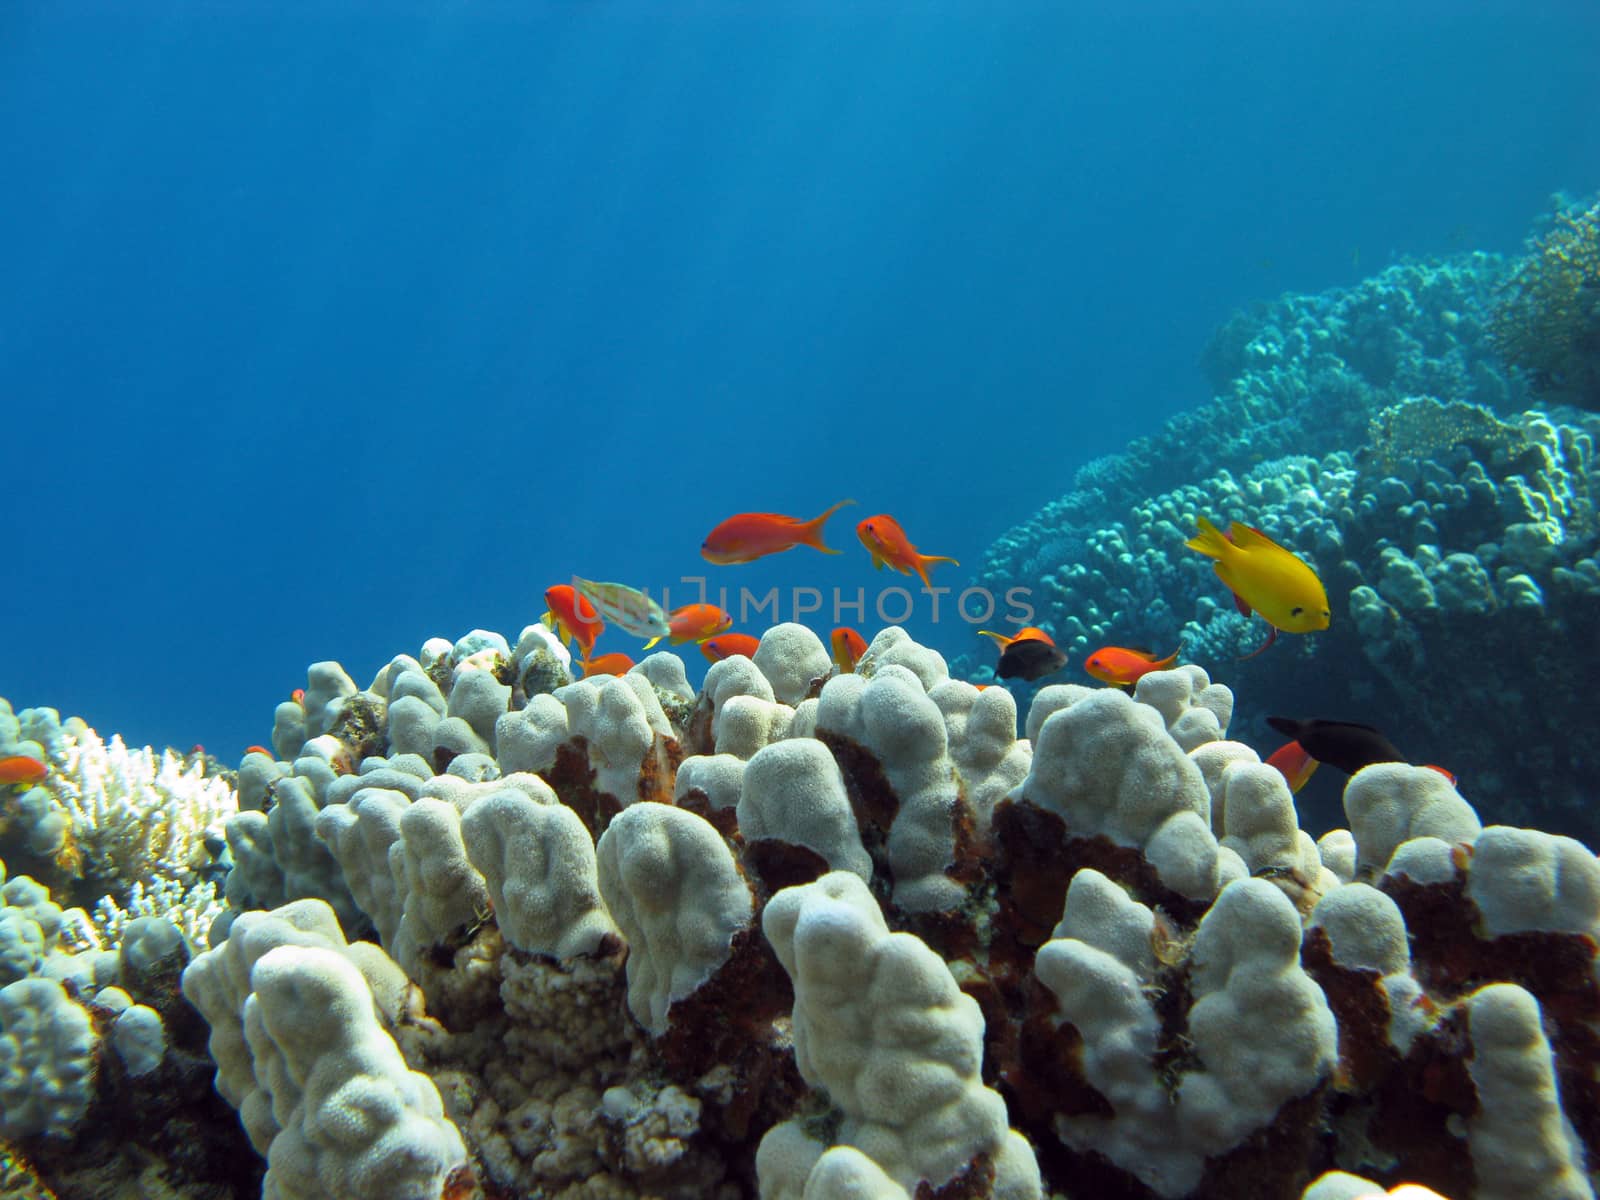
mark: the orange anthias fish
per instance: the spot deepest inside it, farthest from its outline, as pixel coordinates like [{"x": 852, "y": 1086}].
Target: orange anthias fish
[
  {"x": 258, "y": 750},
  {"x": 746, "y": 537},
  {"x": 729, "y": 645},
  {"x": 694, "y": 623},
  {"x": 607, "y": 664},
  {"x": 1125, "y": 666},
  {"x": 572, "y": 617},
  {"x": 1295, "y": 763},
  {"x": 889, "y": 547},
  {"x": 20, "y": 769},
  {"x": 848, "y": 647}
]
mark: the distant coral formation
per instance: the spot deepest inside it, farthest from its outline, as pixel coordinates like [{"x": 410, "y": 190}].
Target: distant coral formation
[
  {"x": 1547, "y": 323},
  {"x": 1373, "y": 431},
  {"x": 804, "y": 934}
]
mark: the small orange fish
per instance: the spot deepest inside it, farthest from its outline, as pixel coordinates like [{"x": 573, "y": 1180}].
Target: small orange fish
[
  {"x": 607, "y": 664},
  {"x": 848, "y": 647},
  {"x": 889, "y": 547},
  {"x": 694, "y": 623},
  {"x": 1447, "y": 774},
  {"x": 746, "y": 537},
  {"x": 19, "y": 768},
  {"x": 298, "y": 695},
  {"x": 729, "y": 645},
  {"x": 572, "y": 617},
  {"x": 1125, "y": 666},
  {"x": 1028, "y": 633},
  {"x": 258, "y": 750},
  {"x": 1295, "y": 764}
]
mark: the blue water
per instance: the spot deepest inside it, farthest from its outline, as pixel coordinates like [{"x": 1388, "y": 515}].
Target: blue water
[{"x": 328, "y": 327}]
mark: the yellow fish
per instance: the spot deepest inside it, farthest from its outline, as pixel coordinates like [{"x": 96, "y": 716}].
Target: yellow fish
[
  {"x": 1263, "y": 576},
  {"x": 627, "y": 608}
]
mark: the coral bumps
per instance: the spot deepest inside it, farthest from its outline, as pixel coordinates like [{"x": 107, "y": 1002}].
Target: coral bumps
[{"x": 896, "y": 951}]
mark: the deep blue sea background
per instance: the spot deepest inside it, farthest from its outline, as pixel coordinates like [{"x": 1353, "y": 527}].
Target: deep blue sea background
[{"x": 327, "y": 327}]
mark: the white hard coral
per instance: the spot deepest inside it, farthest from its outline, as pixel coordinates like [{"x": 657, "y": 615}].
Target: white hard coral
[
  {"x": 134, "y": 814},
  {"x": 881, "y": 1025}
]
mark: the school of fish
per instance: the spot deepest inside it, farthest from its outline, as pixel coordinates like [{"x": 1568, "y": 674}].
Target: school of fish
[{"x": 1263, "y": 577}]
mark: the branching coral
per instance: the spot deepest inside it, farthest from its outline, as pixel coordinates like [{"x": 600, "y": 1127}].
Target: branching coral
[{"x": 1548, "y": 320}]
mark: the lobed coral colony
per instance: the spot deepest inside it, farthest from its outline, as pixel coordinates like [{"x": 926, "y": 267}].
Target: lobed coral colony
[{"x": 800, "y": 934}]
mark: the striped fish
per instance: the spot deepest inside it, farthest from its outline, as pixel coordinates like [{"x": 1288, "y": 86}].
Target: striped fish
[{"x": 625, "y": 607}]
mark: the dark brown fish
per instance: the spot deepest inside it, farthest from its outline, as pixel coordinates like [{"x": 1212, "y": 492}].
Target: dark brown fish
[
  {"x": 1030, "y": 658},
  {"x": 1344, "y": 745}
]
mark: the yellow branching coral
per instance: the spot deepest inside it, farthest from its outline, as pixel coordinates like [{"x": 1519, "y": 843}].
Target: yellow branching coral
[{"x": 1548, "y": 321}]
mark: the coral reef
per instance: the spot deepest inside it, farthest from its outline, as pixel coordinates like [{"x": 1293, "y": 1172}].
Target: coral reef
[
  {"x": 1372, "y": 432},
  {"x": 884, "y": 948}
]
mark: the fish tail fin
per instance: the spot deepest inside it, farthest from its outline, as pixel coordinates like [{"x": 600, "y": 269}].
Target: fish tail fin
[
  {"x": 813, "y": 529},
  {"x": 924, "y": 560},
  {"x": 1167, "y": 663},
  {"x": 1210, "y": 541},
  {"x": 652, "y": 641}
]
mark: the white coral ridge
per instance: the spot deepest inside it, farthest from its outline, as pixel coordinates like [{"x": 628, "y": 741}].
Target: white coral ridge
[
  {"x": 539, "y": 864},
  {"x": 219, "y": 982},
  {"x": 674, "y": 890},
  {"x": 357, "y": 1123},
  {"x": 1520, "y": 1141},
  {"x": 881, "y": 1025},
  {"x": 1260, "y": 1027},
  {"x": 1106, "y": 765},
  {"x": 133, "y": 813}
]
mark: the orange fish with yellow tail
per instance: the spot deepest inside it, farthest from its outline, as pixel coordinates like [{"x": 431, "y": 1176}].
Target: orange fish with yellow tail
[
  {"x": 21, "y": 770},
  {"x": 572, "y": 617},
  {"x": 694, "y": 623},
  {"x": 746, "y": 537},
  {"x": 890, "y": 547},
  {"x": 1124, "y": 665}
]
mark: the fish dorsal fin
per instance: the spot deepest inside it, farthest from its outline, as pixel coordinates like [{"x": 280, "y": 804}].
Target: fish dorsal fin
[
  {"x": 1143, "y": 652},
  {"x": 1248, "y": 537},
  {"x": 1350, "y": 725}
]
